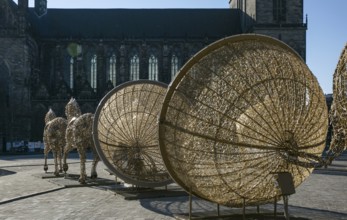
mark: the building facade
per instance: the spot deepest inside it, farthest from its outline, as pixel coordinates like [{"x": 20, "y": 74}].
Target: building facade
[{"x": 48, "y": 55}]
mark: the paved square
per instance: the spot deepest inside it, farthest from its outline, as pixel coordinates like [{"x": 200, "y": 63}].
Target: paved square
[{"x": 24, "y": 194}]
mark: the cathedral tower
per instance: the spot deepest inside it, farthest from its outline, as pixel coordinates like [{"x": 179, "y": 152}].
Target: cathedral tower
[{"x": 281, "y": 19}]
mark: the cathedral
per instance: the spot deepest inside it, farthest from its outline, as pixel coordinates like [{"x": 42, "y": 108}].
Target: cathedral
[{"x": 49, "y": 55}]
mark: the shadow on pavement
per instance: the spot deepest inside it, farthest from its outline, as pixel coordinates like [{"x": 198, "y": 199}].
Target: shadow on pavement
[
  {"x": 178, "y": 207},
  {"x": 6, "y": 172}
]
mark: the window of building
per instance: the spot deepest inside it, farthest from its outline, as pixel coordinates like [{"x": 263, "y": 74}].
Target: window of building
[
  {"x": 71, "y": 72},
  {"x": 279, "y": 10},
  {"x": 153, "y": 68},
  {"x": 240, "y": 4},
  {"x": 93, "y": 75},
  {"x": 174, "y": 66},
  {"x": 113, "y": 72},
  {"x": 134, "y": 68}
]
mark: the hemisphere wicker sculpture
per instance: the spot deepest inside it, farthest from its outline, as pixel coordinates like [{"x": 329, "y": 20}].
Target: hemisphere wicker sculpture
[
  {"x": 125, "y": 133},
  {"x": 79, "y": 136},
  {"x": 241, "y": 111},
  {"x": 338, "y": 112},
  {"x": 53, "y": 139}
]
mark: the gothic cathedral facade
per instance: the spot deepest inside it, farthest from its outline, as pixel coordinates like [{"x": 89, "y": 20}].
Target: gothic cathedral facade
[{"x": 49, "y": 55}]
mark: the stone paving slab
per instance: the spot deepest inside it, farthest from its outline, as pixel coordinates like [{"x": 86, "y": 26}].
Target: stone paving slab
[
  {"x": 48, "y": 175},
  {"x": 266, "y": 216},
  {"x": 71, "y": 180},
  {"x": 23, "y": 195},
  {"x": 130, "y": 194}
]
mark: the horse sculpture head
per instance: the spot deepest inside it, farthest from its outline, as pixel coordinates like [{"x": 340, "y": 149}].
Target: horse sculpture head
[
  {"x": 72, "y": 109},
  {"x": 50, "y": 115}
]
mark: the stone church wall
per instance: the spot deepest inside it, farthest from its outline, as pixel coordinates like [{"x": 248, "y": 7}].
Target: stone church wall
[
  {"x": 14, "y": 55},
  {"x": 294, "y": 37},
  {"x": 35, "y": 72}
]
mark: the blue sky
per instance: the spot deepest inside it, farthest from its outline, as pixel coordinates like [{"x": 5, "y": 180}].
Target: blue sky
[
  {"x": 326, "y": 37},
  {"x": 326, "y": 34}
]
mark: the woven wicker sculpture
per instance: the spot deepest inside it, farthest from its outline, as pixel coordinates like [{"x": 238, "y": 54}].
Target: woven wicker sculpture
[
  {"x": 240, "y": 111},
  {"x": 54, "y": 139},
  {"x": 125, "y": 133},
  {"x": 338, "y": 112},
  {"x": 79, "y": 136},
  {"x": 72, "y": 112}
]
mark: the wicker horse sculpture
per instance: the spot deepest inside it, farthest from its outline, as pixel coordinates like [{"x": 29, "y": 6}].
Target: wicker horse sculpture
[
  {"x": 53, "y": 139},
  {"x": 79, "y": 136}
]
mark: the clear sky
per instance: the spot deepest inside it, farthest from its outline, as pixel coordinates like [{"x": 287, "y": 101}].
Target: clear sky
[{"x": 326, "y": 34}]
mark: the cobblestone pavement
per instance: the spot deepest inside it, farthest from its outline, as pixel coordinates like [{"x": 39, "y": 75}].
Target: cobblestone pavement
[{"x": 24, "y": 194}]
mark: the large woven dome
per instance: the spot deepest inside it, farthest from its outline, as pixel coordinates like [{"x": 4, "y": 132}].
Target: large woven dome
[
  {"x": 126, "y": 133},
  {"x": 339, "y": 107},
  {"x": 240, "y": 111}
]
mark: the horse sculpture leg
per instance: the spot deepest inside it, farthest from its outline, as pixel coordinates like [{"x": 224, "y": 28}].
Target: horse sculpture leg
[
  {"x": 46, "y": 151},
  {"x": 56, "y": 170},
  {"x": 45, "y": 166},
  {"x": 83, "y": 175},
  {"x": 65, "y": 165},
  {"x": 96, "y": 159},
  {"x": 67, "y": 150},
  {"x": 60, "y": 153}
]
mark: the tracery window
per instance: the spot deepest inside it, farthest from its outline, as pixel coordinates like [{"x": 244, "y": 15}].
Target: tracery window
[
  {"x": 279, "y": 10},
  {"x": 71, "y": 72},
  {"x": 174, "y": 66},
  {"x": 134, "y": 68},
  {"x": 113, "y": 72},
  {"x": 153, "y": 68},
  {"x": 93, "y": 76}
]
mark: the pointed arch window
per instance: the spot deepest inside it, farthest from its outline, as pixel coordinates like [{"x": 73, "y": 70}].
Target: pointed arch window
[
  {"x": 134, "y": 68},
  {"x": 174, "y": 66},
  {"x": 113, "y": 72},
  {"x": 93, "y": 75},
  {"x": 72, "y": 62},
  {"x": 153, "y": 68}
]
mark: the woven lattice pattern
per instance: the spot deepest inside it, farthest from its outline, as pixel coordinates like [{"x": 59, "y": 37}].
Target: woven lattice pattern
[
  {"x": 50, "y": 115},
  {"x": 126, "y": 133},
  {"x": 240, "y": 111},
  {"x": 72, "y": 109},
  {"x": 72, "y": 112},
  {"x": 338, "y": 113},
  {"x": 53, "y": 139},
  {"x": 78, "y": 135}
]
